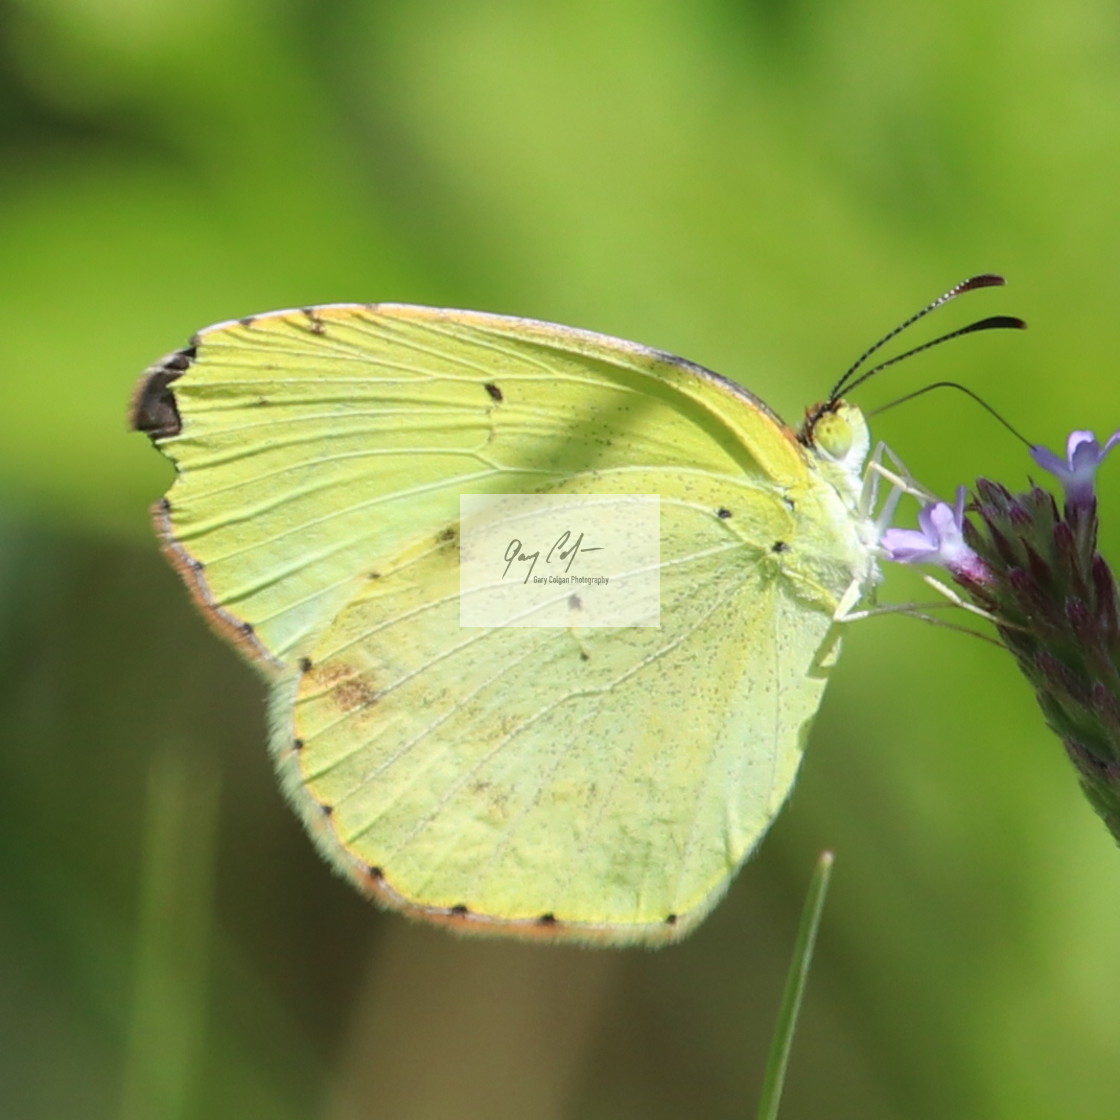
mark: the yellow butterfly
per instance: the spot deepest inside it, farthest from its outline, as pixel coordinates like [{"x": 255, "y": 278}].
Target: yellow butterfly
[{"x": 590, "y": 783}]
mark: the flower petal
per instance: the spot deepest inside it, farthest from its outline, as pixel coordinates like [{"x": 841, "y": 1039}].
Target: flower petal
[{"x": 1084, "y": 455}]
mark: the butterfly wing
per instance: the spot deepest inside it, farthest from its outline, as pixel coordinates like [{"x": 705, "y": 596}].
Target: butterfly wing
[{"x": 581, "y": 782}]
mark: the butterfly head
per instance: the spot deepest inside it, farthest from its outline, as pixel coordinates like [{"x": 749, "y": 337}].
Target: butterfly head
[{"x": 838, "y": 433}]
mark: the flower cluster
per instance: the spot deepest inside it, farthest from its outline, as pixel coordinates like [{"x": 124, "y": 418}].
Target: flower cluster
[{"x": 1034, "y": 568}]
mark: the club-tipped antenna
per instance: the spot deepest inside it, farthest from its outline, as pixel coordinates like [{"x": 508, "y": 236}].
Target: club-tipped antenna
[
  {"x": 994, "y": 322},
  {"x": 984, "y": 280},
  {"x": 968, "y": 393}
]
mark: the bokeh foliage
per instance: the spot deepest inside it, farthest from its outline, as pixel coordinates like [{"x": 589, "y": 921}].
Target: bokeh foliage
[{"x": 763, "y": 187}]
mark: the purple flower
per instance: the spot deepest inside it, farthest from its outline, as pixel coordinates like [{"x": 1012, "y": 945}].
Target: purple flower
[
  {"x": 1056, "y": 607},
  {"x": 1077, "y": 471},
  {"x": 1053, "y": 600},
  {"x": 940, "y": 540}
]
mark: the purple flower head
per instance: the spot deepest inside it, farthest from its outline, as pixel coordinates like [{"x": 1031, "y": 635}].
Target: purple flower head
[
  {"x": 940, "y": 540},
  {"x": 1056, "y": 607},
  {"x": 1077, "y": 471}
]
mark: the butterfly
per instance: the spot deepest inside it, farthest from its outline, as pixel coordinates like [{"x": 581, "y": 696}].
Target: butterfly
[{"x": 575, "y": 782}]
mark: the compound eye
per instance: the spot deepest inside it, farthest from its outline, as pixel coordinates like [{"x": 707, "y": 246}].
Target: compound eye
[{"x": 833, "y": 434}]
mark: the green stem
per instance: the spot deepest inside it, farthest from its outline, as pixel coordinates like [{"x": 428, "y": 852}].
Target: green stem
[{"x": 782, "y": 1042}]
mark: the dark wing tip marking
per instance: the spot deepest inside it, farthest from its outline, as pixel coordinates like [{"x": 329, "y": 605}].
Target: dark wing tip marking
[
  {"x": 494, "y": 391},
  {"x": 297, "y": 745},
  {"x": 305, "y": 664},
  {"x": 327, "y": 809},
  {"x": 723, "y": 512},
  {"x": 153, "y": 409},
  {"x": 548, "y": 919},
  {"x": 779, "y": 546},
  {"x": 671, "y": 919},
  {"x": 448, "y": 534},
  {"x": 459, "y": 911},
  {"x": 181, "y": 359}
]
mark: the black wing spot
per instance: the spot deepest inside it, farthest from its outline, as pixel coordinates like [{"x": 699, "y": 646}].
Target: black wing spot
[
  {"x": 375, "y": 872},
  {"x": 789, "y": 501},
  {"x": 723, "y": 512},
  {"x": 449, "y": 534},
  {"x": 297, "y": 745},
  {"x": 584, "y": 655},
  {"x": 196, "y": 565},
  {"x": 154, "y": 410},
  {"x": 374, "y": 575},
  {"x": 779, "y": 546},
  {"x": 460, "y": 911},
  {"x": 494, "y": 391},
  {"x": 547, "y": 919},
  {"x": 305, "y": 664},
  {"x": 671, "y": 919},
  {"x": 575, "y": 602},
  {"x": 165, "y": 505},
  {"x": 246, "y": 628},
  {"x": 248, "y": 321},
  {"x": 327, "y": 810}
]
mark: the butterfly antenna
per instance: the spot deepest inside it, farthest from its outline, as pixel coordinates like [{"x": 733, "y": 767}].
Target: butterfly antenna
[
  {"x": 995, "y": 322},
  {"x": 968, "y": 393},
  {"x": 984, "y": 280}
]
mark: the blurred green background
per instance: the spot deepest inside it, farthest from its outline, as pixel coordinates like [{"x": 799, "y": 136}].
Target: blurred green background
[{"x": 763, "y": 187}]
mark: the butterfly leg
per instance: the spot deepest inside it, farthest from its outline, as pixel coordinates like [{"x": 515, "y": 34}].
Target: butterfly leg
[
  {"x": 919, "y": 611},
  {"x": 901, "y": 482},
  {"x": 955, "y": 600},
  {"x": 848, "y": 600},
  {"x": 844, "y": 613}
]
